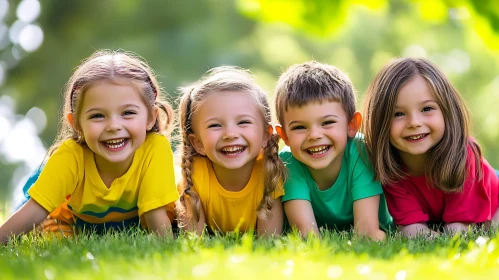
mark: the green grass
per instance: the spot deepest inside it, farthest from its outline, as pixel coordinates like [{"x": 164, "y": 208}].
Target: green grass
[{"x": 336, "y": 256}]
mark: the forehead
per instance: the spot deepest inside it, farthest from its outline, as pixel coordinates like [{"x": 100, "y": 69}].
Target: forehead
[
  {"x": 229, "y": 102},
  {"x": 313, "y": 110},
  {"x": 107, "y": 93},
  {"x": 414, "y": 91}
]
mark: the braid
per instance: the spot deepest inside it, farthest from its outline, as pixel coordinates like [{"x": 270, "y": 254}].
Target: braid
[
  {"x": 164, "y": 124},
  {"x": 274, "y": 177}
]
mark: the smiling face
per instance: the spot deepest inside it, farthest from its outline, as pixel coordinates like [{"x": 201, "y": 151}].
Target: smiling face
[
  {"x": 229, "y": 129},
  {"x": 418, "y": 123},
  {"x": 317, "y": 134},
  {"x": 113, "y": 120}
]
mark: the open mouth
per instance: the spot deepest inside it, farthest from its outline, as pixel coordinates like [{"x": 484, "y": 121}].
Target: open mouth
[
  {"x": 318, "y": 150},
  {"x": 233, "y": 150},
  {"x": 115, "y": 143},
  {"x": 416, "y": 137}
]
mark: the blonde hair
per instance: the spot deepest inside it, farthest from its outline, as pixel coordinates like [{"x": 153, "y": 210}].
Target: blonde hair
[
  {"x": 313, "y": 81},
  {"x": 111, "y": 66},
  {"x": 224, "y": 78},
  {"x": 445, "y": 168}
]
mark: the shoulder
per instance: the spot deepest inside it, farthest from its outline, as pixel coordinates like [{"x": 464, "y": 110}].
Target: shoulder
[{"x": 154, "y": 139}]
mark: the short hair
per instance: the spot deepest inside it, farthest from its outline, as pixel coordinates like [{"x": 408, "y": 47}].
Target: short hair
[{"x": 313, "y": 81}]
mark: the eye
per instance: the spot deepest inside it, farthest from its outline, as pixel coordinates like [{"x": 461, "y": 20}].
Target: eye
[
  {"x": 96, "y": 116},
  {"x": 328, "y": 122},
  {"x": 427, "y": 109},
  {"x": 244, "y": 122},
  {"x": 129, "y": 112},
  {"x": 398, "y": 114},
  {"x": 297, "y": 127},
  {"x": 213, "y": 125}
]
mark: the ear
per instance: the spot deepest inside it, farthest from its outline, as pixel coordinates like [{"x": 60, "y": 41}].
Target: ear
[
  {"x": 153, "y": 118},
  {"x": 268, "y": 135},
  {"x": 354, "y": 124},
  {"x": 197, "y": 144},
  {"x": 282, "y": 134},
  {"x": 71, "y": 120}
]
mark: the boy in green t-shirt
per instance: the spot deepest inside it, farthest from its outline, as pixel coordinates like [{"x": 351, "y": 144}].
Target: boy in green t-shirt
[{"x": 328, "y": 184}]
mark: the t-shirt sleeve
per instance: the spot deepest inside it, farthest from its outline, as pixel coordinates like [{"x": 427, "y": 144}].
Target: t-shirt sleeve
[
  {"x": 403, "y": 206},
  {"x": 295, "y": 186},
  {"x": 158, "y": 183},
  {"x": 478, "y": 200},
  {"x": 363, "y": 184},
  {"x": 58, "y": 178}
]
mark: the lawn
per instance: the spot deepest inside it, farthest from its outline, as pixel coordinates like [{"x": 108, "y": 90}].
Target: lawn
[{"x": 336, "y": 256}]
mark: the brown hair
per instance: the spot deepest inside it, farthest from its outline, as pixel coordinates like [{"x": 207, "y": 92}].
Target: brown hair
[
  {"x": 445, "y": 168},
  {"x": 111, "y": 66},
  {"x": 313, "y": 81},
  {"x": 224, "y": 78}
]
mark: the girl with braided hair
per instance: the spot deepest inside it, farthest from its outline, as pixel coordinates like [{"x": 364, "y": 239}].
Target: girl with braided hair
[
  {"x": 231, "y": 173},
  {"x": 111, "y": 165}
]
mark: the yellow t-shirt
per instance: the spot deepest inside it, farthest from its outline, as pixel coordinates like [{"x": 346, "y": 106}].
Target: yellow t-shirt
[
  {"x": 225, "y": 210},
  {"x": 148, "y": 184}
]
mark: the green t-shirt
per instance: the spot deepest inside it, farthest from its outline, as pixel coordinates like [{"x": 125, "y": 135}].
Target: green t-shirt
[{"x": 333, "y": 208}]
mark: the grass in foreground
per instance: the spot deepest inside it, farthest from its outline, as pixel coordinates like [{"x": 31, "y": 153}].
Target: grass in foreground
[{"x": 136, "y": 254}]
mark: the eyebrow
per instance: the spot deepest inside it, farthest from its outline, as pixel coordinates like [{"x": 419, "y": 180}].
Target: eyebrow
[
  {"x": 324, "y": 117},
  {"x": 421, "y": 103},
  {"x": 121, "y": 107}
]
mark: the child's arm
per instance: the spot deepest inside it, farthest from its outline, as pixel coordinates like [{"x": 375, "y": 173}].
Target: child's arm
[
  {"x": 365, "y": 217},
  {"x": 198, "y": 226},
  {"x": 417, "y": 229},
  {"x": 24, "y": 220},
  {"x": 453, "y": 228},
  {"x": 273, "y": 225},
  {"x": 300, "y": 214},
  {"x": 158, "y": 222}
]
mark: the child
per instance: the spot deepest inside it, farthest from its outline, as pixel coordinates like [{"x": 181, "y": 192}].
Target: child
[
  {"x": 231, "y": 173},
  {"x": 111, "y": 163},
  {"x": 329, "y": 184},
  {"x": 418, "y": 139}
]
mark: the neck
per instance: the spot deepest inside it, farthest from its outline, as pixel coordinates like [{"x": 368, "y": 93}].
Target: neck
[
  {"x": 326, "y": 177},
  {"x": 414, "y": 163},
  {"x": 234, "y": 180},
  {"x": 109, "y": 171}
]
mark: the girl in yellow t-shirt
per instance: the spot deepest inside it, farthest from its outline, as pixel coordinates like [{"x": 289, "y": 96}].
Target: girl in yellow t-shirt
[
  {"x": 231, "y": 173},
  {"x": 111, "y": 164}
]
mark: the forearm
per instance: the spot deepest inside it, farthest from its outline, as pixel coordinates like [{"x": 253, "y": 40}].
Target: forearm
[
  {"x": 23, "y": 221},
  {"x": 373, "y": 233},
  {"x": 417, "y": 229},
  {"x": 158, "y": 222},
  {"x": 453, "y": 228},
  {"x": 272, "y": 226}
]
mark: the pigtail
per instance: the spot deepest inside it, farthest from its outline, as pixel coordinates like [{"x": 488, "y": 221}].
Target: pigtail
[
  {"x": 274, "y": 177},
  {"x": 188, "y": 205},
  {"x": 164, "y": 124}
]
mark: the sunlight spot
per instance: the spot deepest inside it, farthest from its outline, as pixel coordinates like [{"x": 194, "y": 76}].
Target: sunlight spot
[
  {"x": 349, "y": 243},
  {"x": 90, "y": 256},
  {"x": 4, "y": 7},
  {"x": 31, "y": 37},
  {"x": 288, "y": 271},
  {"x": 456, "y": 256},
  {"x": 414, "y": 51},
  {"x": 363, "y": 269},
  {"x": 334, "y": 271},
  {"x": 237, "y": 259},
  {"x": 446, "y": 265},
  {"x": 290, "y": 263},
  {"x": 480, "y": 241},
  {"x": 491, "y": 247},
  {"x": 201, "y": 270},
  {"x": 49, "y": 274},
  {"x": 400, "y": 275},
  {"x": 28, "y": 10}
]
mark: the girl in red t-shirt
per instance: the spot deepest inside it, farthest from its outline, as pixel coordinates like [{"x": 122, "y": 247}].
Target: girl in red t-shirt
[{"x": 417, "y": 132}]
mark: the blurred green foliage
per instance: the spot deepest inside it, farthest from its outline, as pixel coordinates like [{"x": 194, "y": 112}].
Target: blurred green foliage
[{"x": 183, "y": 39}]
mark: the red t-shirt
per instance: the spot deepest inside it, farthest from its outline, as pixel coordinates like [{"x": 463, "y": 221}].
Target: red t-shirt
[{"x": 413, "y": 201}]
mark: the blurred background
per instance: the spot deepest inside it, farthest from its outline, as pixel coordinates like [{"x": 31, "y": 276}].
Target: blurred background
[{"x": 41, "y": 43}]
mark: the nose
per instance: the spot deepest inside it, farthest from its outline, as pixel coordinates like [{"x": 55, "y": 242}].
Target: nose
[
  {"x": 414, "y": 120},
  {"x": 113, "y": 124},
  {"x": 314, "y": 133},
  {"x": 229, "y": 133}
]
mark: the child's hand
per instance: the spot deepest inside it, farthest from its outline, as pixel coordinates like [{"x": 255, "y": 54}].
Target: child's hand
[{"x": 453, "y": 228}]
